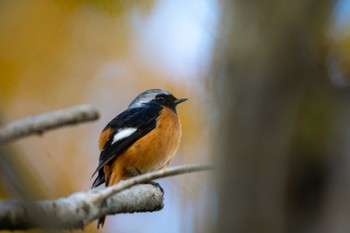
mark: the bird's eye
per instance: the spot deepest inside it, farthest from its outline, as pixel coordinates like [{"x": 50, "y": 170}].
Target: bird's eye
[{"x": 161, "y": 98}]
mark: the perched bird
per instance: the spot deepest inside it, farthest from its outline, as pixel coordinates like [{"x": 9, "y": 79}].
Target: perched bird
[{"x": 141, "y": 139}]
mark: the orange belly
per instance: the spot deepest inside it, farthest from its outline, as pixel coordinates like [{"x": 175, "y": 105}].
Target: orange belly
[{"x": 152, "y": 152}]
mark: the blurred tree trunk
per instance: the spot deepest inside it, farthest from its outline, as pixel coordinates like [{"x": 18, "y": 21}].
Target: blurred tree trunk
[{"x": 274, "y": 127}]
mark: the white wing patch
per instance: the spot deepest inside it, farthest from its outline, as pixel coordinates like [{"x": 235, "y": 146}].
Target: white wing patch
[{"x": 123, "y": 133}]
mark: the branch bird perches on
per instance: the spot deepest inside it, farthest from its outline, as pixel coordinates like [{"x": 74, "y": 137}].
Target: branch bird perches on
[{"x": 79, "y": 209}]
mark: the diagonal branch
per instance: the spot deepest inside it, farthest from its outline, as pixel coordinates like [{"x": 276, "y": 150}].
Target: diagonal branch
[
  {"x": 172, "y": 171},
  {"x": 47, "y": 121},
  {"x": 79, "y": 209}
]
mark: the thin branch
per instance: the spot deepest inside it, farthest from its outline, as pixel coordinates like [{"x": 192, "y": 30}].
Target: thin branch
[
  {"x": 172, "y": 171},
  {"x": 47, "y": 121},
  {"x": 79, "y": 209}
]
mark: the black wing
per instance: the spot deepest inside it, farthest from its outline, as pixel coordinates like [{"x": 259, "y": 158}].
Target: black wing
[{"x": 144, "y": 119}]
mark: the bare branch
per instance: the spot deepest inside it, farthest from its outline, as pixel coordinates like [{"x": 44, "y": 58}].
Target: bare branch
[
  {"x": 79, "y": 209},
  {"x": 47, "y": 121}
]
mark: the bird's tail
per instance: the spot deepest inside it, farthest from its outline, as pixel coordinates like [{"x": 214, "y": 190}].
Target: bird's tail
[
  {"x": 113, "y": 177},
  {"x": 101, "y": 222}
]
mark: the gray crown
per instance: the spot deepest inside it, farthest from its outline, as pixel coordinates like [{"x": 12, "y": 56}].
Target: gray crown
[{"x": 146, "y": 97}]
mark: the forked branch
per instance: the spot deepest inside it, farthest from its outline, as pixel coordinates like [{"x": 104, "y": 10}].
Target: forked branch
[{"x": 79, "y": 209}]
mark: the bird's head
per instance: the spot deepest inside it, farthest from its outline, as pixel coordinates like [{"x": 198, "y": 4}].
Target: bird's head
[{"x": 157, "y": 96}]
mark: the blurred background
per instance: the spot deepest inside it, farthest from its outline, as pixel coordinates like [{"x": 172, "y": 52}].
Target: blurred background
[
  {"x": 57, "y": 54},
  {"x": 60, "y": 53}
]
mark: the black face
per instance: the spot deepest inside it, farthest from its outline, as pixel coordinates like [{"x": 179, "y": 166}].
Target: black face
[{"x": 166, "y": 100}]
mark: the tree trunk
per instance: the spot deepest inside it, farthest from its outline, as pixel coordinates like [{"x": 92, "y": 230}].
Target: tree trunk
[{"x": 266, "y": 57}]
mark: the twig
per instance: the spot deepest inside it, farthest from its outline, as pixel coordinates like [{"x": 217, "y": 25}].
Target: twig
[
  {"x": 79, "y": 209},
  {"x": 172, "y": 171},
  {"x": 47, "y": 121}
]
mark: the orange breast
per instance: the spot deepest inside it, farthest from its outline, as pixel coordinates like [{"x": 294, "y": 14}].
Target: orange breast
[{"x": 152, "y": 152}]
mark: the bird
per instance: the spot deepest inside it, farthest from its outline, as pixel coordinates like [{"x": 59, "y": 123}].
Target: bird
[{"x": 141, "y": 139}]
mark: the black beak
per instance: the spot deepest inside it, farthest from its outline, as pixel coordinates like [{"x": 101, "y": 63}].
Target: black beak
[{"x": 177, "y": 101}]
